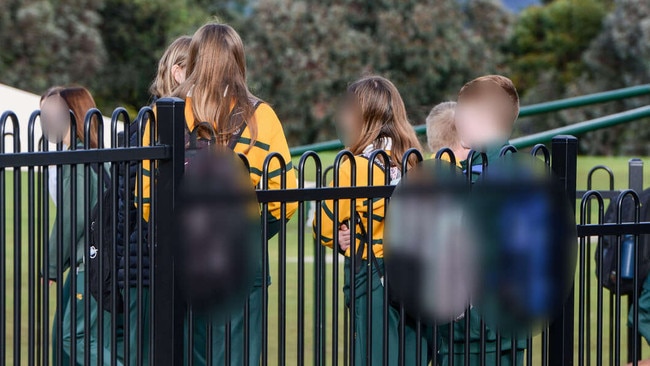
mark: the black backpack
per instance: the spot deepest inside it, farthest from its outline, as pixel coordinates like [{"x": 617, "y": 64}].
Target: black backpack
[
  {"x": 608, "y": 277},
  {"x": 100, "y": 248},
  {"x": 222, "y": 201},
  {"x": 195, "y": 143}
]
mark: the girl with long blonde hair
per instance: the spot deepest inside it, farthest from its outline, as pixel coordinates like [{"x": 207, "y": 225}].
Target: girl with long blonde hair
[{"x": 171, "y": 68}]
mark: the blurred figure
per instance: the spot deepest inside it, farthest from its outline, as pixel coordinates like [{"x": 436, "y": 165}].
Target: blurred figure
[
  {"x": 372, "y": 117},
  {"x": 216, "y": 89},
  {"x": 485, "y": 115},
  {"x": 51, "y": 170},
  {"x": 56, "y": 105},
  {"x": 442, "y": 133},
  {"x": 171, "y": 68},
  {"x": 486, "y": 112}
]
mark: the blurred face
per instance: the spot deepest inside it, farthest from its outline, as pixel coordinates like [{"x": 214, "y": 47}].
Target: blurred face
[
  {"x": 348, "y": 124},
  {"x": 55, "y": 118},
  {"x": 482, "y": 121}
]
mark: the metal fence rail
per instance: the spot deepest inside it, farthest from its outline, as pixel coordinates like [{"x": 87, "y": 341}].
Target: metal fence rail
[
  {"x": 542, "y": 108},
  {"x": 305, "y": 312}
]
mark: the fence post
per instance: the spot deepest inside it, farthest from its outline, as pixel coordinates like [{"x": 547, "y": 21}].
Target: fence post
[
  {"x": 564, "y": 160},
  {"x": 168, "y": 311},
  {"x": 635, "y": 182}
]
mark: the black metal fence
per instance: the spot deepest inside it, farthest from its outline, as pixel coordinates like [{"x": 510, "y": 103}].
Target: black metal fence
[{"x": 304, "y": 317}]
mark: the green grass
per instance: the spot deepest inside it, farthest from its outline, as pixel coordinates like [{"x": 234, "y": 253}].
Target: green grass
[{"x": 290, "y": 306}]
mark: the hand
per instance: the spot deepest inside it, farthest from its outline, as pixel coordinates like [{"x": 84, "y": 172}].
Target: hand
[
  {"x": 49, "y": 282},
  {"x": 344, "y": 237}
]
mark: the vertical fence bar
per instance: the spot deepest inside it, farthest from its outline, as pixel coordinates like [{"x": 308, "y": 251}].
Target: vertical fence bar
[
  {"x": 564, "y": 156},
  {"x": 17, "y": 208},
  {"x": 319, "y": 282},
  {"x": 3, "y": 265},
  {"x": 167, "y": 345},
  {"x": 17, "y": 265},
  {"x": 31, "y": 246},
  {"x": 635, "y": 183},
  {"x": 265, "y": 282},
  {"x": 301, "y": 253},
  {"x": 45, "y": 319}
]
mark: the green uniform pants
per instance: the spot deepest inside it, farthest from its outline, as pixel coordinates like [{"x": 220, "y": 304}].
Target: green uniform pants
[
  {"x": 138, "y": 323},
  {"x": 237, "y": 351},
  {"x": 474, "y": 343},
  {"x": 644, "y": 311},
  {"x": 65, "y": 294},
  {"x": 360, "y": 319},
  {"x": 490, "y": 359},
  {"x": 78, "y": 326}
]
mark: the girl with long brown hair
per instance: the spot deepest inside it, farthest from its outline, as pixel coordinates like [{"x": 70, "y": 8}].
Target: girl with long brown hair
[
  {"x": 56, "y": 105},
  {"x": 373, "y": 117},
  {"x": 215, "y": 90}
]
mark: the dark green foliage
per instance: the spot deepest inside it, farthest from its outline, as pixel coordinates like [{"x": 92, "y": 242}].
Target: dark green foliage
[
  {"x": 304, "y": 53},
  {"x": 46, "y": 44},
  {"x": 135, "y": 34}
]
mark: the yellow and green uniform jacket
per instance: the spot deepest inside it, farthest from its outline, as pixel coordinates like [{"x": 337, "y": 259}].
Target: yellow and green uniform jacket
[
  {"x": 330, "y": 224},
  {"x": 270, "y": 138}
]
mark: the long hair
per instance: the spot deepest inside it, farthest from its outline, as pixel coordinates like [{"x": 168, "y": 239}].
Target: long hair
[
  {"x": 216, "y": 80},
  {"x": 383, "y": 115},
  {"x": 176, "y": 55},
  {"x": 79, "y": 101}
]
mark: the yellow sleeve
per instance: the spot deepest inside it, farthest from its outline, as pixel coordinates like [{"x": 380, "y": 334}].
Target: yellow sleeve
[
  {"x": 146, "y": 176},
  {"x": 329, "y": 226},
  {"x": 270, "y": 139}
]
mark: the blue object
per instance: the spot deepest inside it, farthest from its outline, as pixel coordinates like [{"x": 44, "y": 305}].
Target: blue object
[{"x": 627, "y": 257}]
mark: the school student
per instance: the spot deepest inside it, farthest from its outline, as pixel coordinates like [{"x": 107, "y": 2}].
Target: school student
[
  {"x": 56, "y": 105},
  {"x": 485, "y": 115},
  {"x": 441, "y": 131},
  {"x": 215, "y": 86},
  {"x": 372, "y": 117}
]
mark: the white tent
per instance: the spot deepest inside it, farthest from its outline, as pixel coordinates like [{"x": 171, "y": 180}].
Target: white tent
[{"x": 23, "y": 103}]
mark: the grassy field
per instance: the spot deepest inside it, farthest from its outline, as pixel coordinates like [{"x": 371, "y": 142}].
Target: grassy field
[{"x": 286, "y": 312}]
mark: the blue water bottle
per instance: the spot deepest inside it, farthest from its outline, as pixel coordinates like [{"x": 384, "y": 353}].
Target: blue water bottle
[{"x": 627, "y": 257}]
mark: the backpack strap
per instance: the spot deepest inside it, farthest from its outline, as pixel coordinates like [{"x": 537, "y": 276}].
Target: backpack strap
[
  {"x": 358, "y": 255},
  {"x": 365, "y": 239},
  {"x": 237, "y": 120}
]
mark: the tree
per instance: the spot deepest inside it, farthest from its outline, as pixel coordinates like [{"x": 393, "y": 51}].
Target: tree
[
  {"x": 50, "y": 43},
  {"x": 303, "y": 54},
  {"x": 618, "y": 57},
  {"x": 545, "y": 54},
  {"x": 301, "y": 57},
  {"x": 553, "y": 37},
  {"x": 135, "y": 33}
]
